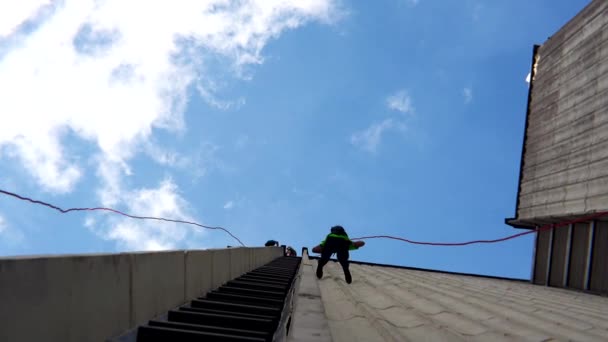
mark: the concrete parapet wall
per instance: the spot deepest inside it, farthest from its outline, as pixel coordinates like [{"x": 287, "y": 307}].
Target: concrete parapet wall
[{"x": 95, "y": 297}]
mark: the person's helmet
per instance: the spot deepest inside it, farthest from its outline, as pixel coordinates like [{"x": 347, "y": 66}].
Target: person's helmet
[{"x": 338, "y": 230}]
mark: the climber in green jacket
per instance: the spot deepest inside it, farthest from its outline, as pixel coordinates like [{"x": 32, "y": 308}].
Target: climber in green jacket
[{"x": 336, "y": 242}]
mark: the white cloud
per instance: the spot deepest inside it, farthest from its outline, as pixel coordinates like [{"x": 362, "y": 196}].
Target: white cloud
[
  {"x": 165, "y": 156},
  {"x": 400, "y": 101},
  {"x": 2, "y": 224},
  {"x": 370, "y": 138},
  {"x": 9, "y": 235},
  {"x": 14, "y": 13},
  {"x": 42, "y": 155},
  {"x": 111, "y": 173},
  {"x": 229, "y": 205},
  {"x": 110, "y": 72},
  {"x": 133, "y": 234},
  {"x": 467, "y": 93},
  {"x": 208, "y": 159},
  {"x": 90, "y": 222},
  {"x": 208, "y": 93},
  {"x": 528, "y": 78}
]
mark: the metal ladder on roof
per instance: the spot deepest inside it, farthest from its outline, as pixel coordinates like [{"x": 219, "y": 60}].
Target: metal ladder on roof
[{"x": 248, "y": 308}]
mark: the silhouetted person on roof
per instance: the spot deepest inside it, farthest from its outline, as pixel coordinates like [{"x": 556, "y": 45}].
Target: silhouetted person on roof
[
  {"x": 289, "y": 251},
  {"x": 271, "y": 243},
  {"x": 336, "y": 242}
]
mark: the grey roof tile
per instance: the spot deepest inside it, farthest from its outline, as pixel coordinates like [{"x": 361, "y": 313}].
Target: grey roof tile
[{"x": 396, "y": 304}]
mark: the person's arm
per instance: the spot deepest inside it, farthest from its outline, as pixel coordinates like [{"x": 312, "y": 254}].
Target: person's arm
[
  {"x": 319, "y": 248},
  {"x": 356, "y": 244}
]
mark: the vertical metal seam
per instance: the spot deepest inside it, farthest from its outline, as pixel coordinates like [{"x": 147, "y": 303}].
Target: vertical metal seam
[
  {"x": 185, "y": 278},
  {"x": 132, "y": 261},
  {"x": 212, "y": 271},
  {"x": 549, "y": 256},
  {"x": 589, "y": 255},
  {"x": 567, "y": 256},
  {"x": 534, "y": 256}
]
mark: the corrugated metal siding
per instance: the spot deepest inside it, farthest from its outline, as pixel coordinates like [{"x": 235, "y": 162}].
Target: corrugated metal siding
[
  {"x": 558, "y": 257},
  {"x": 599, "y": 269},
  {"x": 391, "y": 304},
  {"x": 578, "y": 256},
  {"x": 542, "y": 253},
  {"x": 565, "y": 164}
]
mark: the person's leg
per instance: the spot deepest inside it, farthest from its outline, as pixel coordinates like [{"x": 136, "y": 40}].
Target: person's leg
[
  {"x": 343, "y": 260},
  {"x": 325, "y": 255}
]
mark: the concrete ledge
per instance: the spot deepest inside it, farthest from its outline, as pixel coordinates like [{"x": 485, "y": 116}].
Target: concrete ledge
[
  {"x": 308, "y": 321},
  {"x": 95, "y": 297}
]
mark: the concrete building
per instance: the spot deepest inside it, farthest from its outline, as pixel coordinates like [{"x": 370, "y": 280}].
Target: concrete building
[
  {"x": 257, "y": 294},
  {"x": 564, "y": 164}
]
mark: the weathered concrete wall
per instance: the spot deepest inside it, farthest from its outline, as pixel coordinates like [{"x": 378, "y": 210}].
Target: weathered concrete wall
[
  {"x": 157, "y": 283},
  {"x": 94, "y": 297},
  {"x": 221, "y": 264},
  {"x": 64, "y": 298},
  {"x": 565, "y": 162},
  {"x": 199, "y": 279}
]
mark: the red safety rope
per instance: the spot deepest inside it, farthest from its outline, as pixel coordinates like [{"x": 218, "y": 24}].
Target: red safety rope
[
  {"x": 64, "y": 211},
  {"x": 539, "y": 229}
]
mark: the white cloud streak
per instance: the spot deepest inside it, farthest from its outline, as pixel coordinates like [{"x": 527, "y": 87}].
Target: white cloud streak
[
  {"x": 229, "y": 205},
  {"x": 467, "y": 93},
  {"x": 164, "y": 156},
  {"x": 14, "y": 13},
  {"x": 132, "y": 234},
  {"x": 208, "y": 93},
  {"x": 9, "y": 235},
  {"x": 370, "y": 138},
  {"x": 400, "y": 101},
  {"x": 2, "y": 224}
]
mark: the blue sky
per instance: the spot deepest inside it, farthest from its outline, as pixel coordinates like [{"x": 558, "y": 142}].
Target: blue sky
[{"x": 277, "y": 121}]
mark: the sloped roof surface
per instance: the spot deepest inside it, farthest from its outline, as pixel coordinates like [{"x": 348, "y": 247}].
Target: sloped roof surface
[{"x": 392, "y": 304}]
